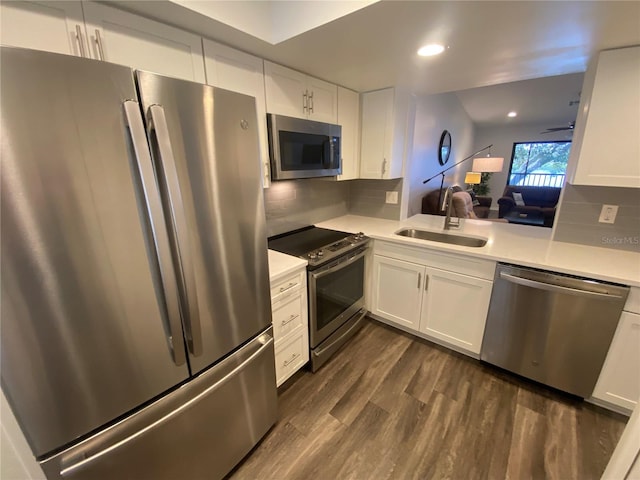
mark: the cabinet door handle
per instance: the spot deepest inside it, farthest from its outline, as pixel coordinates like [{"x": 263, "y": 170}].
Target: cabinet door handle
[
  {"x": 311, "y": 102},
  {"x": 82, "y": 51},
  {"x": 305, "y": 101},
  {"x": 290, "y": 319},
  {"x": 284, "y": 289},
  {"x": 293, "y": 358},
  {"x": 384, "y": 166},
  {"x": 99, "y": 44},
  {"x": 426, "y": 282},
  {"x": 419, "y": 280}
]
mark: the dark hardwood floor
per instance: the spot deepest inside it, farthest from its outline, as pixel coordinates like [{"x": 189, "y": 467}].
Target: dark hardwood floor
[{"x": 389, "y": 405}]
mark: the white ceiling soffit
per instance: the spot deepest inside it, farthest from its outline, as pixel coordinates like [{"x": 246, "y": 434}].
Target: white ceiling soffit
[
  {"x": 489, "y": 42},
  {"x": 550, "y": 100},
  {"x": 274, "y": 21}
]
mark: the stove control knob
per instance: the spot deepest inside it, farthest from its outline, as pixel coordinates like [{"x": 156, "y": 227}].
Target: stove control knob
[
  {"x": 320, "y": 253},
  {"x": 312, "y": 255}
]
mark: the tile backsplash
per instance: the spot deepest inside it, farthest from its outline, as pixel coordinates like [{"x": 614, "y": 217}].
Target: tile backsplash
[
  {"x": 292, "y": 204},
  {"x": 297, "y": 203},
  {"x": 577, "y": 220},
  {"x": 368, "y": 198}
]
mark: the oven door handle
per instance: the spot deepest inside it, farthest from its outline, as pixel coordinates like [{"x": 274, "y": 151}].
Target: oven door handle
[{"x": 338, "y": 265}]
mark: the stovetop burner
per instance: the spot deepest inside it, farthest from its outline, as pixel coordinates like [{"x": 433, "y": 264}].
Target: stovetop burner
[{"x": 317, "y": 245}]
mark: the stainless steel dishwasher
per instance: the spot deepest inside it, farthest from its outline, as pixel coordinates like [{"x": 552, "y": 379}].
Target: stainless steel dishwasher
[{"x": 551, "y": 328}]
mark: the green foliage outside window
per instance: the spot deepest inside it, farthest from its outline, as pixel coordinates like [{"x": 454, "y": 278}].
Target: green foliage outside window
[{"x": 539, "y": 163}]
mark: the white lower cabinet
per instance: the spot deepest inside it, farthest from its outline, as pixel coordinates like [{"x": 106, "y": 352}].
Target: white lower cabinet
[
  {"x": 290, "y": 324},
  {"x": 619, "y": 381},
  {"x": 396, "y": 294},
  {"x": 441, "y": 296},
  {"x": 454, "y": 308}
]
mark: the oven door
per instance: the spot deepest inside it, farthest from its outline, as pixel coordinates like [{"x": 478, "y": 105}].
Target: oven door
[{"x": 336, "y": 292}]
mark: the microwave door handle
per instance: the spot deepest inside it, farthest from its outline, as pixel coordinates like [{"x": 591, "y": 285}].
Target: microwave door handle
[
  {"x": 332, "y": 151},
  {"x": 328, "y": 152}
]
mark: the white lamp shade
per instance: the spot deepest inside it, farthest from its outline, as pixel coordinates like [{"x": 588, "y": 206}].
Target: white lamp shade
[
  {"x": 487, "y": 164},
  {"x": 472, "y": 178}
]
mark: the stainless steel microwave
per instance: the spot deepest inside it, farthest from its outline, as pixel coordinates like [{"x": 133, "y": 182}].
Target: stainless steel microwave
[{"x": 301, "y": 148}]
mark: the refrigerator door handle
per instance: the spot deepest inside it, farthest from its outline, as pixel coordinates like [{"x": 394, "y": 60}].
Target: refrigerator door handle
[
  {"x": 158, "y": 232},
  {"x": 263, "y": 342},
  {"x": 167, "y": 173}
]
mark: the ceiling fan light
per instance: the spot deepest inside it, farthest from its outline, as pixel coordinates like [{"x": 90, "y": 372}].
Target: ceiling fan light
[{"x": 430, "y": 50}]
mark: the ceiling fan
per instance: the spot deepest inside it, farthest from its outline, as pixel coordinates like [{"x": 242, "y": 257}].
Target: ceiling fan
[{"x": 570, "y": 126}]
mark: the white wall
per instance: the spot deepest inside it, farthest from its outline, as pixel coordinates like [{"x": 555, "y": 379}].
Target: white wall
[
  {"x": 503, "y": 139},
  {"x": 435, "y": 113},
  {"x": 16, "y": 460}
]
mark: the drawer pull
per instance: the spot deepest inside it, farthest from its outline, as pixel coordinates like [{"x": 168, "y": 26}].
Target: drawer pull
[
  {"x": 291, "y": 319},
  {"x": 291, "y": 285},
  {"x": 293, "y": 358}
]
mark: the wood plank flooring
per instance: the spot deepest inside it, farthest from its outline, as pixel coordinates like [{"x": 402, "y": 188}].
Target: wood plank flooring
[{"x": 391, "y": 406}]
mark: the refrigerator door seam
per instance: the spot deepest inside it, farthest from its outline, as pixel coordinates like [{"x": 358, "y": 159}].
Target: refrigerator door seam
[
  {"x": 159, "y": 133},
  {"x": 159, "y": 234}
]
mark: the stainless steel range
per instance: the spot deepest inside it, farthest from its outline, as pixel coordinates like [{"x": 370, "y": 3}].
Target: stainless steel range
[{"x": 335, "y": 277}]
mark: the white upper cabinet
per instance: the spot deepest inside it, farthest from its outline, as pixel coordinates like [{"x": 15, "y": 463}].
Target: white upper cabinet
[
  {"x": 243, "y": 73},
  {"x": 295, "y": 94},
  {"x": 349, "y": 119},
  {"x": 56, "y": 27},
  {"x": 121, "y": 37},
  {"x": 387, "y": 133},
  {"x": 606, "y": 149}
]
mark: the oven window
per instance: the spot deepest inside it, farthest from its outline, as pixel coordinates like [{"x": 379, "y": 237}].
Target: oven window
[
  {"x": 303, "y": 151},
  {"x": 337, "y": 291}
]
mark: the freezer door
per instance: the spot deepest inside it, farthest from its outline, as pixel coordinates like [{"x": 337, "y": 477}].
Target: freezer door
[
  {"x": 199, "y": 431},
  {"x": 86, "y": 331},
  {"x": 204, "y": 142}
]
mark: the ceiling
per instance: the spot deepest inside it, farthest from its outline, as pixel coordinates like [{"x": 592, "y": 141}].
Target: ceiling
[
  {"x": 547, "y": 102},
  {"x": 488, "y": 42},
  {"x": 274, "y": 20}
]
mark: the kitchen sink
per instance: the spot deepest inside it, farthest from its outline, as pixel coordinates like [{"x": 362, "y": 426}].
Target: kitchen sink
[{"x": 443, "y": 237}]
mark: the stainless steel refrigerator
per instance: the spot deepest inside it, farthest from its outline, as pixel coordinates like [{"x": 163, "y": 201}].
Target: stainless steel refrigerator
[{"x": 136, "y": 339}]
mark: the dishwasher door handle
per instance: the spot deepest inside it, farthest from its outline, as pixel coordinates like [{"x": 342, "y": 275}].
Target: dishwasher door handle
[{"x": 557, "y": 288}]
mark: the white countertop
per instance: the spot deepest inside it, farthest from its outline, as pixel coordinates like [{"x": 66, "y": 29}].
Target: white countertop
[
  {"x": 281, "y": 264},
  {"x": 519, "y": 244}
]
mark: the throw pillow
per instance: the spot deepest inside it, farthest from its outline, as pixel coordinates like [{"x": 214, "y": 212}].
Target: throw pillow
[{"x": 518, "y": 199}]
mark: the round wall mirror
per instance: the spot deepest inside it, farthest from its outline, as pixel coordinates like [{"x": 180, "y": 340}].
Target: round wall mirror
[{"x": 445, "y": 147}]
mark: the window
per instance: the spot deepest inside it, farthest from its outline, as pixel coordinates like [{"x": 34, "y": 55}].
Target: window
[{"x": 539, "y": 164}]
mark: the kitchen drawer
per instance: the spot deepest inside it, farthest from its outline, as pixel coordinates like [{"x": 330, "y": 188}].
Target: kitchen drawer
[
  {"x": 454, "y": 262},
  {"x": 287, "y": 285},
  {"x": 289, "y": 313},
  {"x": 291, "y": 355}
]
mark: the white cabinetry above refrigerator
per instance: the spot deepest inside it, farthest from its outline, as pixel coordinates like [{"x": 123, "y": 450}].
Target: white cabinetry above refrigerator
[{"x": 98, "y": 31}]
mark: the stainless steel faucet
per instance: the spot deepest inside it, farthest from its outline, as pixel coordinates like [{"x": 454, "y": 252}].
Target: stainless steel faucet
[{"x": 449, "y": 223}]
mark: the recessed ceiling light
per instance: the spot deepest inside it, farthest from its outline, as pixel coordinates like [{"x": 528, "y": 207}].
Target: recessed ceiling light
[
  {"x": 512, "y": 114},
  {"x": 431, "y": 49}
]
